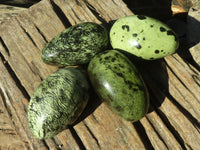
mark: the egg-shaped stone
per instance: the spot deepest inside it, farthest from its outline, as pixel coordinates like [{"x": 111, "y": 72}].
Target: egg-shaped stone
[
  {"x": 57, "y": 102},
  {"x": 76, "y": 45},
  {"x": 118, "y": 83},
  {"x": 143, "y": 36}
]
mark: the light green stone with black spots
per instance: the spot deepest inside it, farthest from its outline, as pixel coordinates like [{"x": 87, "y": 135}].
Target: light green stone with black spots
[
  {"x": 76, "y": 45},
  {"x": 143, "y": 36},
  {"x": 57, "y": 102},
  {"x": 119, "y": 84}
]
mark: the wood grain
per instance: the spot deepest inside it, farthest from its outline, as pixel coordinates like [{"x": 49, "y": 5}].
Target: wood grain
[
  {"x": 7, "y": 11},
  {"x": 171, "y": 123}
]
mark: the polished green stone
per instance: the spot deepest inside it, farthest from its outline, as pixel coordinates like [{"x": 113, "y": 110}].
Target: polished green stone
[
  {"x": 118, "y": 83},
  {"x": 76, "y": 45},
  {"x": 143, "y": 36},
  {"x": 57, "y": 102}
]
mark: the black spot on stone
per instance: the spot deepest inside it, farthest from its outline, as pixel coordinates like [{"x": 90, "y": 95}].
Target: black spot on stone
[
  {"x": 118, "y": 108},
  {"x": 121, "y": 40},
  {"x": 120, "y": 74},
  {"x": 138, "y": 46},
  {"x": 141, "y": 31},
  {"x": 170, "y": 32},
  {"x": 121, "y": 66},
  {"x": 162, "y": 50},
  {"x": 149, "y": 46},
  {"x": 151, "y": 58},
  {"x": 37, "y": 99},
  {"x": 89, "y": 55},
  {"x": 117, "y": 55},
  {"x": 157, "y": 51},
  {"x": 141, "y": 17},
  {"x": 152, "y": 25},
  {"x": 107, "y": 57},
  {"x": 113, "y": 33},
  {"x": 144, "y": 38},
  {"x": 125, "y": 27},
  {"x": 130, "y": 84},
  {"x": 135, "y": 35},
  {"x": 135, "y": 89},
  {"x": 113, "y": 59},
  {"x": 122, "y": 36},
  {"x": 162, "y": 29}
]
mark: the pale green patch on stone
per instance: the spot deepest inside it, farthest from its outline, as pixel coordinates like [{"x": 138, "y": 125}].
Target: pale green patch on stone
[{"x": 143, "y": 36}]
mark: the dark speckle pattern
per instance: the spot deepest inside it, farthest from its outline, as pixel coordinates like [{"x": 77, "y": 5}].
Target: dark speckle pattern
[
  {"x": 162, "y": 29},
  {"x": 171, "y": 33},
  {"x": 135, "y": 35},
  {"x": 118, "y": 84},
  {"x": 57, "y": 102},
  {"x": 125, "y": 27},
  {"x": 138, "y": 46},
  {"x": 76, "y": 45},
  {"x": 157, "y": 51}
]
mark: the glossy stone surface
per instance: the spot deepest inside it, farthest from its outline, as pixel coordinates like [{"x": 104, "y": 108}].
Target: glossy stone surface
[
  {"x": 76, "y": 45},
  {"x": 57, "y": 102},
  {"x": 119, "y": 84},
  {"x": 143, "y": 36}
]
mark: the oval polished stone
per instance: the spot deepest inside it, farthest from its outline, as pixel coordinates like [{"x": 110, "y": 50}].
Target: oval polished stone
[
  {"x": 76, "y": 45},
  {"x": 143, "y": 36},
  {"x": 57, "y": 102},
  {"x": 118, "y": 83}
]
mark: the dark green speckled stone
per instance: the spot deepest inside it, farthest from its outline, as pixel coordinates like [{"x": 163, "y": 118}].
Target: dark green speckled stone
[
  {"x": 76, "y": 45},
  {"x": 57, "y": 102},
  {"x": 119, "y": 84}
]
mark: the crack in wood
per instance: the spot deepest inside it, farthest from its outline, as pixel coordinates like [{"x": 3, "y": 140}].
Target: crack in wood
[
  {"x": 196, "y": 79},
  {"x": 61, "y": 15},
  {"x": 95, "y": 12},
  {"x": 8, "y": 131},
  {"x": 15, "y": 78},
  {"x": 193, "y": 120},
  {"x": 5, "y": 47},
  {"x": 144, "y": 137},
  {"x": 4, "y": 99},
  {"x": 28, "y": 35},
  {"x": 188, "y": 89},
  {"x": 40, "y": 32},
  {"x": 172, "y": 129},
  {"x": 92, "y": 134},
  {"x": 160, "y": 137},
  {"x": 77, "y": 138}
]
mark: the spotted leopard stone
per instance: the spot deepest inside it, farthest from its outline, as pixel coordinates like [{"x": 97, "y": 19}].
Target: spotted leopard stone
[{"x": 144, "y": 37}]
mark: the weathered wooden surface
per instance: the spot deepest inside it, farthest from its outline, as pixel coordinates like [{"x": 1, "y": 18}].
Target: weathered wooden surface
[
  {"x": 24, "y": 3},
  {"x": 174, "y": 85},
  {"x": 7, "y": 11},
  {"x": 193, "y": 30}
]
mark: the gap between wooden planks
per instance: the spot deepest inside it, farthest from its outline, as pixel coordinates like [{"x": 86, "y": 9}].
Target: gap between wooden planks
[{"x": 172, "y": 122}]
